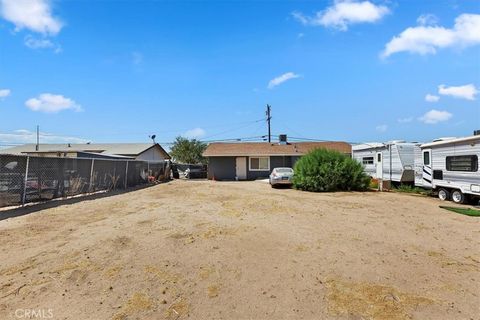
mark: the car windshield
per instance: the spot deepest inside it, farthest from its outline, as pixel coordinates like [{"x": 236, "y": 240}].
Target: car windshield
[{"x": 284, "y": 170}]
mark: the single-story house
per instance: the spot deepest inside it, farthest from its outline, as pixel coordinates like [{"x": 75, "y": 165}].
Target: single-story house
[
  {"x": 252, "y": 160},
  {"x": 133, "y": 151}
]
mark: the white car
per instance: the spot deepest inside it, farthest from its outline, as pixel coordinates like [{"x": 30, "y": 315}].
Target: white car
[{"x": 281, "y": 176}]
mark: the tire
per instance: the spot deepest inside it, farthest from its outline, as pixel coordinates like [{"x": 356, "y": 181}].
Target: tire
[
  {"x": 443, "y": 194},
  {"x": 458, "y": 196}
]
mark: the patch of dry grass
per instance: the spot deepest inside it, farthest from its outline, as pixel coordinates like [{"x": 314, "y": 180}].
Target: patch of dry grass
[
  {"x": 161, "y": 274},
  {"x": 177, "y": 309},
  {"x": 371, "y": 300},
  {"x": 137, "y": 303},
  {"x": 206, "y": 272},
  {"x": 213, "y": 290}
]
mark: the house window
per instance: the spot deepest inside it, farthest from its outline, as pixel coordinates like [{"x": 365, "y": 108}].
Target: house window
[
  {"x": 367, "y": 160},
  {"x": 259, "y": 163},
  {"x": 462, "y": 163}
]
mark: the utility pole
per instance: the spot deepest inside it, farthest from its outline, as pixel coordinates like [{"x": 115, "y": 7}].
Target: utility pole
[
  {"x": 38, "y": 138},
  {"x": 268, "y": 123}
]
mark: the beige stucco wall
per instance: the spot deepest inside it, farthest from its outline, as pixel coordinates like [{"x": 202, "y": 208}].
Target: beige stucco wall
[{"x": 151, "y": 154}]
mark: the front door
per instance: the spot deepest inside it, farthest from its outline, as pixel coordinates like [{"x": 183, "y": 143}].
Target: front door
[
  {"x": 379, "y": 165},
  {"x": 241, "y": 168},
  {"x": 427, "y": 168}
]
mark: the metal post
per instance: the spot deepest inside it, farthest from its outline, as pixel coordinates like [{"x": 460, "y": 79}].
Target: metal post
[
  {"x": 390, "y": 150},
  {"x": 37, "y": 147},
  {"x": 25, "y": 182},
  {"x": 91, "y": 175},
  {"x": 114, "y": 175},
  {"x": 126, "y": 175}
]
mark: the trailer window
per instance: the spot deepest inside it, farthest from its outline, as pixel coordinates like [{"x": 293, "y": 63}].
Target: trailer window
[
  {"x": 367, "y": 160},
  {"x": 462, "y": 163},
  {"x": 426, "y": 158}
]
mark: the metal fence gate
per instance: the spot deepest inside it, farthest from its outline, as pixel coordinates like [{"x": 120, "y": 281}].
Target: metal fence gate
[{"x": 26, "y": 179}]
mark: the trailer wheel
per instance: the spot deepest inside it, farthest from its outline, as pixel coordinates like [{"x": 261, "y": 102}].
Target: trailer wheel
[
  {"x": 443, "y": 194},
  {"x": 458, "y": 196}
]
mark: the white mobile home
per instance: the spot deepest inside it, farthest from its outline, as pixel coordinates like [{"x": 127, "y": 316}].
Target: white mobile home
[
  {"x": 392, "y": 161},
  {"x": 450, "y": 167}
]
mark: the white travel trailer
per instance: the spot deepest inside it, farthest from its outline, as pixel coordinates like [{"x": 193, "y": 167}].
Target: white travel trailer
[
  {"x": 366, "y": 154},
  {"x": 392, "y": 161},
  {"x": 450, "y": 167}
]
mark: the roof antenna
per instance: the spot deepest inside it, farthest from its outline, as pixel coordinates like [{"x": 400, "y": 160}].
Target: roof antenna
[{"x": 153, "y": 138}]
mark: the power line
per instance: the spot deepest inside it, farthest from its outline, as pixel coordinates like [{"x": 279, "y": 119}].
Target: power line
[{"x": 234, "y": 129}]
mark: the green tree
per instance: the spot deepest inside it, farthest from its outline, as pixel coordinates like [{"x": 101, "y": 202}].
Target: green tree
[
  {"x": 327, "y": 170},
  {"x": 188, "y": 150}
]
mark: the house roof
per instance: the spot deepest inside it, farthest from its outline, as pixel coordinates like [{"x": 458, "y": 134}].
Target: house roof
[
  {"x": 219, "y": 149},
  {"x": 102, "y": 148}
]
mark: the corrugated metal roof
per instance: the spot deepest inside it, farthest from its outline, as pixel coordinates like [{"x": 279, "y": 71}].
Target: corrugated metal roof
[
  {"x": 219, "y": 149},
  {"x": 103, "y": 148}
]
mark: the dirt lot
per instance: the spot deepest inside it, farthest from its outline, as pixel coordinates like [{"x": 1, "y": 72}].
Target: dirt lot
[{"x": 241, "y": 250}]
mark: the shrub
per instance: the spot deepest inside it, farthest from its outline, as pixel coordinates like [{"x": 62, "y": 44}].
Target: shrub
[{"x": 327, "y": 170}]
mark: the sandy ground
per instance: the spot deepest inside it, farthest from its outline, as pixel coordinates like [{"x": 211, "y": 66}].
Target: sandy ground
[{"x": 241, "y": 250}]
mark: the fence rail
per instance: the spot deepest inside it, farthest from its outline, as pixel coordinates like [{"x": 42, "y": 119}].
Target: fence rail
[{"x": 25, "y": 179}]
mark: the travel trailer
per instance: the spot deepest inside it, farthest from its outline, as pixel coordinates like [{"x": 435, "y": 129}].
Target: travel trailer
[
  {"x": 392, "y": 161},
  {"x": 449, "y": 166}
]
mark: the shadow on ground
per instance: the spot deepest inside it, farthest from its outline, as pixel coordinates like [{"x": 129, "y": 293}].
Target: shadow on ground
[{"x": 34, "y": 207}]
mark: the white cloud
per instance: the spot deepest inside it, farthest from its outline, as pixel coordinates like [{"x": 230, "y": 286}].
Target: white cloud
[
  {"x": 35, "y": 15},
  {"x": 52, "y": 103},
  {"x": 434, "y": 116},
  {"x": 281, "y": 79},
  {"x": 381, "y": 128},
  {"x": 42, "y": 43},
  {"x": 344, "y": 13},
  {"x": 431, "y": 98},
  {"x": 4, "y": 93},
  {"x": 427, "y": 20},
  {"x": 405, "y": 120},
  {"x": 26, "y": 136},
  {"x": 195, "y": 133},
  {"x": 426, "y": 39},
  {"x": 467, "y": 91}
]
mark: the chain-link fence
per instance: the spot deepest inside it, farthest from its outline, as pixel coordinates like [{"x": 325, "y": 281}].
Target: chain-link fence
[{"x": 26, "y": 179}]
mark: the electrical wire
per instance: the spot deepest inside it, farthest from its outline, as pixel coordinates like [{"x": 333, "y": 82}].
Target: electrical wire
[{"x": 234, "y": 129}]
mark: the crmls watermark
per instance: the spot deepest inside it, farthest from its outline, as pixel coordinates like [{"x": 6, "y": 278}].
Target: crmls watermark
[{"x": 34, "y": 313}]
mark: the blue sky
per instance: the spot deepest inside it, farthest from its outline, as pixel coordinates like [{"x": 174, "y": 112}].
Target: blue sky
[{"x": 115, "y": 71}]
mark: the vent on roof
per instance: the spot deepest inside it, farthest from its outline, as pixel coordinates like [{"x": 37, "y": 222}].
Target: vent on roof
[
  {"x": 444, "y": 139},
  {"x": 476, "y": 132},
  {"x": 282, "y": 139}
]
